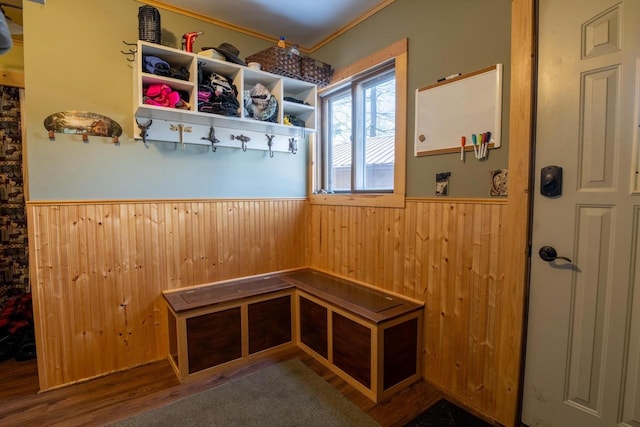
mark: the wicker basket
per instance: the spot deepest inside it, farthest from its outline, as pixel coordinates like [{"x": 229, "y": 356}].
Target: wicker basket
[
  {"x": 315, "y": 71},
  {"x": 277, "y": 60}
]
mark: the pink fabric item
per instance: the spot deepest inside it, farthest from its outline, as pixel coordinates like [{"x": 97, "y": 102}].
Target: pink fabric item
[
  {"x": 204, "y": 96},
  {"x": 173, "y": 97},
  {"x": 155, "y": 89},
  {"x": 161, "y": 95}
]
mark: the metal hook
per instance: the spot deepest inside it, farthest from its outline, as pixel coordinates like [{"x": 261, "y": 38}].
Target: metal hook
[
  {"x": 143, "y": 130},
  {"x": 182, "y": 129},
  {"x": 131, "y": 52},
  {"x": 243, "y": 139},
  {"x": 212, "y": 138},
  {"x": 293, "y": 145},
  {"x": 270, "y": 144}
]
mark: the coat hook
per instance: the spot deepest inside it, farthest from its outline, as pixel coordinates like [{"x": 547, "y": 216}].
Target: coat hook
[
  {"x": 293, "y": 145},
  {"x": 85, "y": 137},
  {"x": 181, "y": 128},
  {"x": 131, "y": 52},
  {"x": 143, "y": 130},
  {"x": 270, "y": 144},
  {"x": 243, "y": 139},
  {"x": 212, "y": 138}
]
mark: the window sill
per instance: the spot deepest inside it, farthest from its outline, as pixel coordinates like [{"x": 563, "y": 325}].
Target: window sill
[{"x": 373, "y": 200}]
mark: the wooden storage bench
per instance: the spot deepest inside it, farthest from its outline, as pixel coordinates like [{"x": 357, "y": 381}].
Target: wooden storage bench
[
  {"x": 219, "y": 323},
  {"x": 370, "y": 338}
]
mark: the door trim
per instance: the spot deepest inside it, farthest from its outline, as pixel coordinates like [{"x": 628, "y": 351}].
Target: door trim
[{"x": 517, "y": 216}]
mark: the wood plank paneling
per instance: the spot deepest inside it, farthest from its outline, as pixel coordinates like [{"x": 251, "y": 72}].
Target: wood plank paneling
[
  {"x": 99, "y": 268},
  {"x": 448, "y": 254}
]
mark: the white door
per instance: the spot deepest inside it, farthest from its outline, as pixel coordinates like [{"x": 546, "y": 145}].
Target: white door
[{"x": 583, "y": 333}]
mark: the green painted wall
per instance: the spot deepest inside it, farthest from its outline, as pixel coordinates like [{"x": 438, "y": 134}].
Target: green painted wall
[
  {"x": 445, "y": 37},
  {"x": 72, "y": 61},
  {"x": 13, "y": 60}
]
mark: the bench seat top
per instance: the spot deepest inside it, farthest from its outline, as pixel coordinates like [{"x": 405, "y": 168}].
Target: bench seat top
[{"x": 369, "y": 303}]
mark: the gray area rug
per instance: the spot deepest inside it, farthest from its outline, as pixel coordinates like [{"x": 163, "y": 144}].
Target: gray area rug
[{"x": 287, "y": 394}]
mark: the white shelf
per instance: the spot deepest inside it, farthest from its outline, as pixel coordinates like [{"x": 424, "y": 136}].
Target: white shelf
[{"x": 241, "y": 77}]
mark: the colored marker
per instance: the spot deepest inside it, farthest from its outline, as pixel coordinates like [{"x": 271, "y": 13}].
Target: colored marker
[
  {"x": 484, "y": 145},
  {"x": 452, "y": 76},
  {"x": 475, "y": 144},
  {"x": 463, "y": 141},
  {"x": 488, "y": 139}
]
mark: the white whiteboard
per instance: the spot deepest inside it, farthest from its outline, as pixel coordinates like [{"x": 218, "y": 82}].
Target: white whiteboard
[{"x": 460, "y": 106}]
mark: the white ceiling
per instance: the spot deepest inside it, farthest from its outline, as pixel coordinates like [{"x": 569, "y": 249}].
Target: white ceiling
[{"x": 305, "y": 22}]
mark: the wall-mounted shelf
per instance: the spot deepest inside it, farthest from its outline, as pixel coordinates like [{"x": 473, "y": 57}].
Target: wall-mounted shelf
[{"x": 243, "y": 78}]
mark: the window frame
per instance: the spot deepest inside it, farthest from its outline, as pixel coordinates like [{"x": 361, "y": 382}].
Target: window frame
[{"x": 397, "y": 53}]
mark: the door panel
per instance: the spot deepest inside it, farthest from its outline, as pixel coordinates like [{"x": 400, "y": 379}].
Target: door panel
[
  {"x": 587, "y": 338},
  {"x": 597, "y": 138},
  {"x": 583, "y": 358},
  {"x": 631, "y": 399}
]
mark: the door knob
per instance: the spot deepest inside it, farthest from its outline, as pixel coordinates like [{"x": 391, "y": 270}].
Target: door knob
[{"x": 548, "y": 253}]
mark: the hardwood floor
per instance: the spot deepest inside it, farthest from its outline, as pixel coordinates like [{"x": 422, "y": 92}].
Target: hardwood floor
[{"x": 123, "y": 394}]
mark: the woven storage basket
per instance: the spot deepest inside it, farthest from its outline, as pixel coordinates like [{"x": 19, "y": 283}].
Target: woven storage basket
[
  {"x": 277, "y": 60},
  {"x": 315, "y": 71}
]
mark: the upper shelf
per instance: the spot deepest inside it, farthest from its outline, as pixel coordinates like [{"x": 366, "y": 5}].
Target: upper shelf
[{"x": 296, "y": 100}]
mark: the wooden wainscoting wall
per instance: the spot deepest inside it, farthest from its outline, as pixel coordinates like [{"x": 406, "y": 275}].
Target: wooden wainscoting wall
[
  {"x": 98, "y": 270},
  {"x": 448, "y": 254}
]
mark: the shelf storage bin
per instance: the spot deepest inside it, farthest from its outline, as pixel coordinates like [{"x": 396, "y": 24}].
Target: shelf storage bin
[
  {"x": 277, "y": 60},
  {"x": 315, "y": 71}
]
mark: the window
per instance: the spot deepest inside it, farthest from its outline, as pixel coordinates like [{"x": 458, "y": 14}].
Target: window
[
  {"x": 360, "y": 157},
  {"x": 359, "y": 130}
]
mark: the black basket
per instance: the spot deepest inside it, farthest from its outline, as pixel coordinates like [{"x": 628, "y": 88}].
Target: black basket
[{"x": 149, "y": 29}]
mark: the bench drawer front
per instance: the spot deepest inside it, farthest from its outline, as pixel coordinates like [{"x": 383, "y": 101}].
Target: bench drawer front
[
  {"x": 314, "y": 326},
  {"x": 269, "y": 323},
  {"x": 400, "y": 352},
  {"x": 352, "y": 348},
  {"x": 213, "y": 339}
]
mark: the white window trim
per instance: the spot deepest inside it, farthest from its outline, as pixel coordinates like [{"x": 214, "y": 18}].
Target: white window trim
[{"x": 398, "y": 52}]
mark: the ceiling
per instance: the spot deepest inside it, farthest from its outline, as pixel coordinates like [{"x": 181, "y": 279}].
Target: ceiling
[{"x": 303, "y": 22}]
